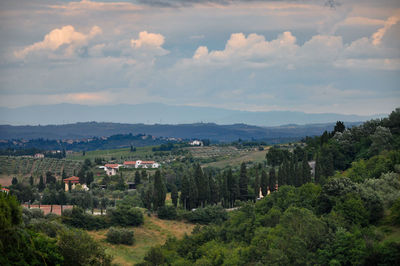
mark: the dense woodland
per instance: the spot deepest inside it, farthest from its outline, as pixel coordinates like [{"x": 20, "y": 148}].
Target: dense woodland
[{"x": 346, "y": 213}]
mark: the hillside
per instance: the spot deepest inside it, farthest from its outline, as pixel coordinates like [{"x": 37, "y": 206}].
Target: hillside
[
  {"x": 186, "y": 131},
  {"x": 161, "y": 113}
]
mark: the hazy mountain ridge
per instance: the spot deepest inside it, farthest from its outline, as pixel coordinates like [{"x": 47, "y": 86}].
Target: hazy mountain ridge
[
  {"x": 186, "y": 131},
  {"x": 163, "y": 114}
]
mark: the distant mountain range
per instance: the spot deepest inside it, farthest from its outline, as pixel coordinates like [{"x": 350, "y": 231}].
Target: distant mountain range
[
  {"x": 153, "y": 113},
  {"x": 210, "y": 131}
]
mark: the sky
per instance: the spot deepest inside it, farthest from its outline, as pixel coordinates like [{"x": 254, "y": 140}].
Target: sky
[{"x": 314, "y": 56}]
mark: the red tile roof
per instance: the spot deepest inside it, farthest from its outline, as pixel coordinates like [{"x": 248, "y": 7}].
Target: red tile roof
[
  {"x": 148, "y": 162},
  {"x": 130, "y": 163},
  {"x": 5, "y": 189},
  {"x": 109, "y": 165},
  {"x": 72, "y": 179}
]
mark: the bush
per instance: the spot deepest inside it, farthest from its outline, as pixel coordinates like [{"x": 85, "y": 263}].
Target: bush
[
  {"x": 210, "y": 214},
  {"x": 167, "y": 212},
  {"x": 125, "y": 215},
  {"x": 78, "y": 218},
  {"x": 120, "y": 236}
]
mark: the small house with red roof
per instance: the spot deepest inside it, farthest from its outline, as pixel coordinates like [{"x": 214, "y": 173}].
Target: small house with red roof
[
  {"x": 73, "y": 180},
  {"x": 111, "y": 168},
  {"x": 5, "y": 190}
]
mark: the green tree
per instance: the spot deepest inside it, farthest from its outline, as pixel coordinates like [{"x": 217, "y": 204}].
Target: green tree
[
  {"x": 137, "y": 177},
  {"x": 78, "y": 248},
  {"x": 185, "y": 190},
  {"x": 272, "y": 179},
  {"x": 14, "y": 181},
  {"x": 264, "y": 183},
  {"x": 174, "y": 195},
  {"x": 41, "y": 184},
  {"x": 159, "y": 191},
  {"x": 305, "y": 170},
  {"x": 31, "y": 182},
  {"x": 243, "y": 182}
]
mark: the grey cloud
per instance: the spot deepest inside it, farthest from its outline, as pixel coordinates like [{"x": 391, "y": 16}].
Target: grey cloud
[{"x": 183, "y": 3}]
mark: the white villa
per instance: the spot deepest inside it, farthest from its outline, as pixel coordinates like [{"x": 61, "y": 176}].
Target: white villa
[
  {"x": 141, "y": 164},
  {"x": 196, "y": 143}
]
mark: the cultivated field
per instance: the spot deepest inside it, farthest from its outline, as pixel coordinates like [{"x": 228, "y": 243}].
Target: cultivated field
[{"x": 22, "y": 167}]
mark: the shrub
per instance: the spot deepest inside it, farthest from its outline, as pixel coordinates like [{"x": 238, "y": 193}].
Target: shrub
[
  {"x": 210, "y": 214},
  {"x": 125, "y": 215},
  {"x": 120, "y": 236},
  {"x": 167, "y": 212},
  {"x": 78, "y": 218}
]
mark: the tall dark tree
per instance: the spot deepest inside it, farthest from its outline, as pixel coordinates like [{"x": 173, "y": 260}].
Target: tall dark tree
[
  {"x": 14, "y": 181},
  {"x": 41, "y": 184},
  {"x": 137, "y": 178},
  {"x": 264, "y": 183},
  {"x": 214, "y": 191},
  {"x": 339, "y": 127},
  {"x": 305, "y": 168},
  {"x": 89, "y": 178},
  {"x": 193, "y": 194},
  {"x": 159, "y": 191},
  {"x": 233, "y": 189},
  {"x": 50, "y": 178},
  {"x": 243, "y": 182},
  {"x": 224, "y": 190},
  {"x": 257, "y": 185},
  {"x": 144, "y": 176},
  {"x": 174, "y": 194},
  {"x": 203, "y": 188},
  {"x": 31, "y": 181},
  {"x": 63, "y": 175},
  {"x": 272, "y": 179},
  {"x": 185, "y": 190},
  {"x": 121, "y": 183}
]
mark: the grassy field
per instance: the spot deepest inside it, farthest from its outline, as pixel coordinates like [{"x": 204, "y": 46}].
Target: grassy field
[
  {"x": 253, "y": 155},
  {"x": 153, "y": 232}
]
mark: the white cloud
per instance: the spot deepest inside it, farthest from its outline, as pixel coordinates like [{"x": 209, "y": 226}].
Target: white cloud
[
  {"x": 148, "y": 40},
  {"x": 377, "y": 36},
  {"x": 66, "y": 37}
]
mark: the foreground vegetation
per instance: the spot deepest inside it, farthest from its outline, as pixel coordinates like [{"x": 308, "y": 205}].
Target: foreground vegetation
[{"x": 344, "y": 209}]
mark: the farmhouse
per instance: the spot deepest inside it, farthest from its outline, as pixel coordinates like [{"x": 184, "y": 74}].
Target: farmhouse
[
  {"x": 39, "y": 155},
  {"x": 196, "y": 143},
  {"x": 141, "y": 164},
  {"x": 111, "y": 169},
  {"x": 73, "y": 180},
  {"x": 130, "y": 164}
]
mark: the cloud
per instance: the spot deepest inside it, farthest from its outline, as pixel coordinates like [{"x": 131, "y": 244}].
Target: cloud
[
  {"x": 66, "y": 37},
  {"x": 148, "y": 40},
  {"x": 75, "y": 8},
  {"x": 377, "y": 36}
]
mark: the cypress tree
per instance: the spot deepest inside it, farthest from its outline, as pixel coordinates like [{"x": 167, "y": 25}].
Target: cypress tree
[
  {"x": 159, "y": 191},
  {"x": 31, "y": 181},
  {"x": 257, "y": 185},
  {"x": 193, "y": 194},
  {"x": 201, "y": 182},
  {"x": 272, "y": 179},
  {"x": 224, "y": 191},
  {"x": 174, "y": 195},
  {"x": 41, "y": 185},
  {"x": 137, "y": 178},
  {"x": 214, "y": 192},
  {"x": 264, "y": 183},
  {"x": 185, "y": 189},
  {"x": 305, "y": 168},
  {"x": 243, "y": 181},
  {"x": 232, "y": 188},
  {"x": 64, "y": 175}
]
